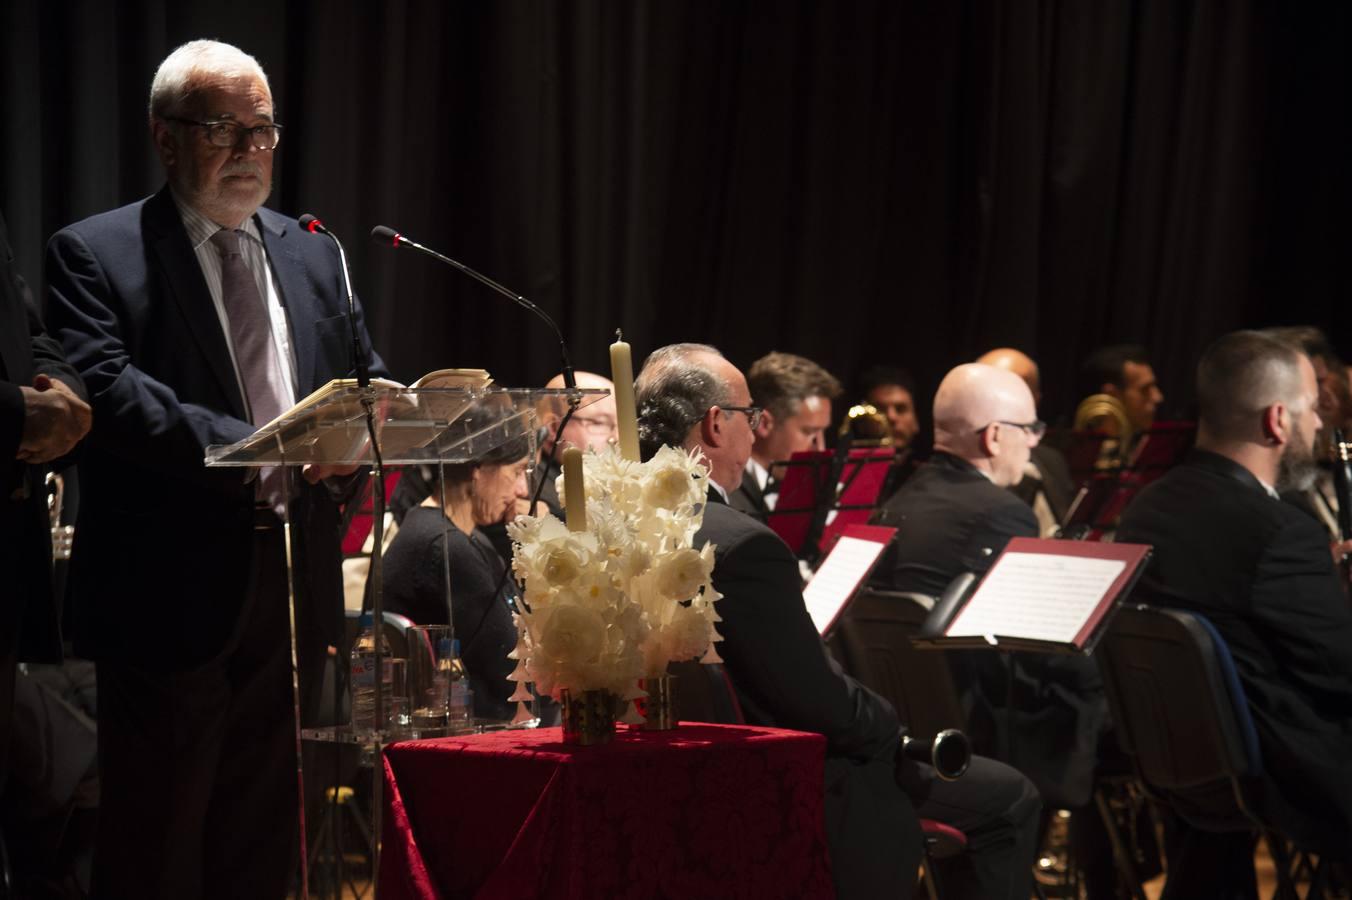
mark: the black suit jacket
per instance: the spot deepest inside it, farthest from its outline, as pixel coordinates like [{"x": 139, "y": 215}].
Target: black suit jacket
[
  {"x": 163, "y": 543},
  {"x": 749, "y": 498},
  {"x": 27, "y": 610},
  {"x": 785, "y": 678},
  {"x": 950, "y": 519},
  {"x": 1260, "y": 570}
]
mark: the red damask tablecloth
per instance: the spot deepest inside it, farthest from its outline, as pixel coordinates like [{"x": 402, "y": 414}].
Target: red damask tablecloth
[{"x": 705, "y": 811}]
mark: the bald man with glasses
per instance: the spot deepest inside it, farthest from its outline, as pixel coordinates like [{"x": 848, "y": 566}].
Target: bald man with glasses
[{"x": 956, "y": 515}]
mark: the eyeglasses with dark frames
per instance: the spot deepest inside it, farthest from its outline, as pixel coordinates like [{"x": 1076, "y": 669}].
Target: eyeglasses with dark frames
[
  {"x": 224, "y": 133},
  {"x": 753, "y": 413}
]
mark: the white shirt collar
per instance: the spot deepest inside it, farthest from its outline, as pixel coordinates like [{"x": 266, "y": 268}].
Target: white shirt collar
[{"x": 759, "y": 472}]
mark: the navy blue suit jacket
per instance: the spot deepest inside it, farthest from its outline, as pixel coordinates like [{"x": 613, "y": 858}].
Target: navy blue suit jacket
[{"x": 163, "y": 543}]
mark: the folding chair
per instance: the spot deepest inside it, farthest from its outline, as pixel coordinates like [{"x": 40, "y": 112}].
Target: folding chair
[{"x": 1182, "y": 717}]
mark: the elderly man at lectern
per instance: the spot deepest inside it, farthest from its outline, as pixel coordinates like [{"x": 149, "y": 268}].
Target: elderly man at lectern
[{"x": 194, "y": 317}]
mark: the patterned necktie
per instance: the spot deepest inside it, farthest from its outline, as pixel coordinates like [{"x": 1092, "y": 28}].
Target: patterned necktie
[{"x": 255, "y": 353}]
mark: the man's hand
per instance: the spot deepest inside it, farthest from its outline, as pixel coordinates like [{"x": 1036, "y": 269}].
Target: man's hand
[
  {"x": 55, "y": 419},
  {"x": 317, "y": 472},
  {"x": 1340, "y": 549}
]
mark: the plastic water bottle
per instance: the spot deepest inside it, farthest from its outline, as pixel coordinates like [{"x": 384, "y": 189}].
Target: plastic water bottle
[
  {"x": 363, "y": 674},
  {"x": 460, "y": 708}
]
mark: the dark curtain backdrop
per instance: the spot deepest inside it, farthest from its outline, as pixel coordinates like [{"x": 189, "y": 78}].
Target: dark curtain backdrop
[{"x": 858, "y": 182}]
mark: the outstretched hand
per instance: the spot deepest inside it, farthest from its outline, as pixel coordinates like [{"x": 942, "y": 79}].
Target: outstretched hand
[{"x": 55, "y": 419}]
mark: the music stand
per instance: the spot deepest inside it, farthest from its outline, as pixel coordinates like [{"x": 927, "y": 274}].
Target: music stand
[
  {"x": 813, "y": 508},
  {"x": 1042, "y": 595},
  {"x": 380, "y": 426},
  {"x": 1103, "y": 497}
]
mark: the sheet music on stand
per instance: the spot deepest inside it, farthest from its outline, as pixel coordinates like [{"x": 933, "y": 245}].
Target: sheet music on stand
[
  {"x": 843, "y": 571},
  {"x": 1042, "y": 595}
]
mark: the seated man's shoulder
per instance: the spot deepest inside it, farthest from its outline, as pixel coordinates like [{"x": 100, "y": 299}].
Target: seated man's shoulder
[{"x": 730, "y": 528}]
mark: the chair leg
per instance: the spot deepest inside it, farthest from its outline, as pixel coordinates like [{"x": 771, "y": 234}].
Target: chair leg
[
  {"x": 1284, "y": 861},
  {"x": 1121, "y": 855}
]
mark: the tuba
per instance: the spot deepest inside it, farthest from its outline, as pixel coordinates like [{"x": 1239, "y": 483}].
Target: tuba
[{"x": 1106, "y": 415}]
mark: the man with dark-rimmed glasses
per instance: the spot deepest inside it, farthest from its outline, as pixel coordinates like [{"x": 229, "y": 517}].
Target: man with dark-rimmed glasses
[{"x": 196, "y": 316}]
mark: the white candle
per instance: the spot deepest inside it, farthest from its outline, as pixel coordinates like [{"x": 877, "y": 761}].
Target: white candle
[
  {"x": 574, "y": 491},
  {"x": 622, "y": 373}
]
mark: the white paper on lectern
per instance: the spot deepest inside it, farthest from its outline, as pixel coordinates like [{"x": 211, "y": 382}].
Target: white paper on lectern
[
  {"x": 1037, "y": 596},
  {"x": 840, "y": 573}
]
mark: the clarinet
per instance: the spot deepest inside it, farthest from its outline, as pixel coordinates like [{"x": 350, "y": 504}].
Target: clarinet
[{"x": 1342, "y": 487}]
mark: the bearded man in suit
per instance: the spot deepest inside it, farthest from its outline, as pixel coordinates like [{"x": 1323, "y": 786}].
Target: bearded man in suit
[
  {"x": 195, "y": 316},
  {"x": 1260, "y": 570},
  {"x": 690, "y": 396}
]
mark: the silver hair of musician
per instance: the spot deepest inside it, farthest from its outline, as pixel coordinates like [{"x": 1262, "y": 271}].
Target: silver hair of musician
[
  {"x": 1240, "y": 375},
  {"x": 673, "y": 392},
  {"x": 177, "y": 76}
]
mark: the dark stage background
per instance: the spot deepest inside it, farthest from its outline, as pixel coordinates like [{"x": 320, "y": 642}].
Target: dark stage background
[{"x": 855, "y": 181}]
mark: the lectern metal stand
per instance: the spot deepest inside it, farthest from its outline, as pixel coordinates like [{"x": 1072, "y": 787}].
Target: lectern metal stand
[{"x": 381, "y": 427}]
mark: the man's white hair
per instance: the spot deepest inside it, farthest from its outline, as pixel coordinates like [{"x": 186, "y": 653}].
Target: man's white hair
[{"x": 177, "y": 76}]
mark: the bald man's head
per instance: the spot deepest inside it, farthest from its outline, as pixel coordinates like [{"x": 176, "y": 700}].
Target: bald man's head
[
  {"x": 986, "y": 416},
  {"x": 592, "y": 426},
  {"x": 1021, "y": 364}
]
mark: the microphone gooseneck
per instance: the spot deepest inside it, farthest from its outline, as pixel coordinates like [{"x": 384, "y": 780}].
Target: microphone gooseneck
[
  {"x": 386, "y": 236},
  {"x": 313, "y": 225}
]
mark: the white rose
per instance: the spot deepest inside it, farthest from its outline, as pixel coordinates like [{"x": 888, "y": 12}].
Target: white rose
[
  {"x": 561, "y": 566},
  {"x": 680, "y": 574},
  {"x": 688, "y": 634},
  {"x": 668, "y": 488},
  {"x": 572, "y": 636}
]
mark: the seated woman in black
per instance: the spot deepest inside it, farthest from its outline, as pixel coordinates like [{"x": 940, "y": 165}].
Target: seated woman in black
[{"x": 438, "y": 537}]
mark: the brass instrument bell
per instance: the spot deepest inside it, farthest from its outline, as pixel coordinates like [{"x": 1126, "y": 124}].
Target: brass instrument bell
[
  {"x": 865, "y": 426},
  {"x": 1105, "y": 414}
]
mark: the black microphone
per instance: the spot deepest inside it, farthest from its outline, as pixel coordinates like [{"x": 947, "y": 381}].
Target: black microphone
[
  {"x": 359, "y": 363},
  {"x": 388, "y": 236}
]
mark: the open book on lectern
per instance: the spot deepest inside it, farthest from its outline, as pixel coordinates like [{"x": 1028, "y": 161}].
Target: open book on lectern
[{"x": 1042, "y": 595}]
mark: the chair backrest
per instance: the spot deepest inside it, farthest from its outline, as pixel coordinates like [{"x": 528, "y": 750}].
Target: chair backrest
[
  {"x": 1181, "y": 713},
  {"x": 872, "y": 642}
]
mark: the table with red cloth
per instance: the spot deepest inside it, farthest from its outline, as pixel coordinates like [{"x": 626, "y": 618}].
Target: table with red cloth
[{"x": 703, "y": 811}]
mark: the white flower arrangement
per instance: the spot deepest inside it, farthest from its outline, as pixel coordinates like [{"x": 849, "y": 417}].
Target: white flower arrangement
[{"x": 619, "y": 601}]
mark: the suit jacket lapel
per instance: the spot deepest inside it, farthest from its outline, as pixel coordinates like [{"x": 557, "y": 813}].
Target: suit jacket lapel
[
  {"x": 289, "y": 268},
  {"x": 189, "y": 289}
]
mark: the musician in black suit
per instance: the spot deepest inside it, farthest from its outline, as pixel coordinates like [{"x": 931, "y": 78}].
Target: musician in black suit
[
  {"x": 1261, "y": 571},
  {"x": 956, "y": 515},
  {"x": 43, "y": 415},
  {"x": 690, "y": 396},
  {"x": 795, "y": 396},
  {"x": 194, "y": 317},
  {"x": 1046, "y": 485}
]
